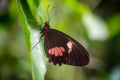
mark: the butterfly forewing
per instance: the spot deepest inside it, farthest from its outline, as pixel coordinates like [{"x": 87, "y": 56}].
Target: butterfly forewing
[{"x": 62, "y": 49}]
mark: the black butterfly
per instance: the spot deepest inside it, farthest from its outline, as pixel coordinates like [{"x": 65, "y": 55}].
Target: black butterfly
[{"x": 62, "y": 49}]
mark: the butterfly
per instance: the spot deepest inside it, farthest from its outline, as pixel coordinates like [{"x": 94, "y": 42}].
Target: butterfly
[{"x": 62, "y": 49}]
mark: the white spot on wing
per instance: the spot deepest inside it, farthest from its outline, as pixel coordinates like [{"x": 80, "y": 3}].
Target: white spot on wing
[{"x": 69, "y": 45}]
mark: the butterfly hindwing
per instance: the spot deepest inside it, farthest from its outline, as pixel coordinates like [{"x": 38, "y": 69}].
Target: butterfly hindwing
[{"x": 62, "y": 49}]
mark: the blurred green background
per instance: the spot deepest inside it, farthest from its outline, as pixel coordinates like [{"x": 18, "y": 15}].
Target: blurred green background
[{"x": 94, "y": 23}]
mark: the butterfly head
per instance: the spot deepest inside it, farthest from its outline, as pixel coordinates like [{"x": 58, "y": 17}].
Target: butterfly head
[{"x": 47, "y": 25}]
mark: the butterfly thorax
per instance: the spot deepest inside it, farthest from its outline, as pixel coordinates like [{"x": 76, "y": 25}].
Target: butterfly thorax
[{"x": 45, "y": 29}]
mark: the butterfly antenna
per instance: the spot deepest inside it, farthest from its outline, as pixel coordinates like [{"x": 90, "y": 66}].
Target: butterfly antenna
[{"x": 48, "y": 13}]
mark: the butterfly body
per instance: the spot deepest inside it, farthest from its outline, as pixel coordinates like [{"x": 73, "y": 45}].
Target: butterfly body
[{"x": 62, "y": 49}]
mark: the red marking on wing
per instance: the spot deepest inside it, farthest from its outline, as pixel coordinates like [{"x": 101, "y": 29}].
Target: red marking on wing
[
  {"x": 49, "y": 51},
  {"x": 60, "y": 53},
  {"x": 57, "y": 51},
  {"x": 62, "y": 48},
  {"x": 52, "y": 51}
]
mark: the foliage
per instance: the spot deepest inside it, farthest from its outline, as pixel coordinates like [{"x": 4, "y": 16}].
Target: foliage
[
  {"x": 95, "y": 24},
  {"x": 36, "y": 56}
]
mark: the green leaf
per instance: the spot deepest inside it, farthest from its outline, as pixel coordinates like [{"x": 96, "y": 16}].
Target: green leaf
[
  {"x": 36, "y": 55},
  {"x": 37, "y": 3},
  {"x": 114, "y": 25}
]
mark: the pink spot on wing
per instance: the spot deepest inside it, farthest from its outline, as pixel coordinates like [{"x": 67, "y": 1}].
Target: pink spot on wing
[
  {"x": 60, "y": 52},
  {"x": 49, "y": 51},
  {"x": 56, "y": 51},
  {"x": 62, "y": 48},
  {"x": 52, "y": 51}
]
